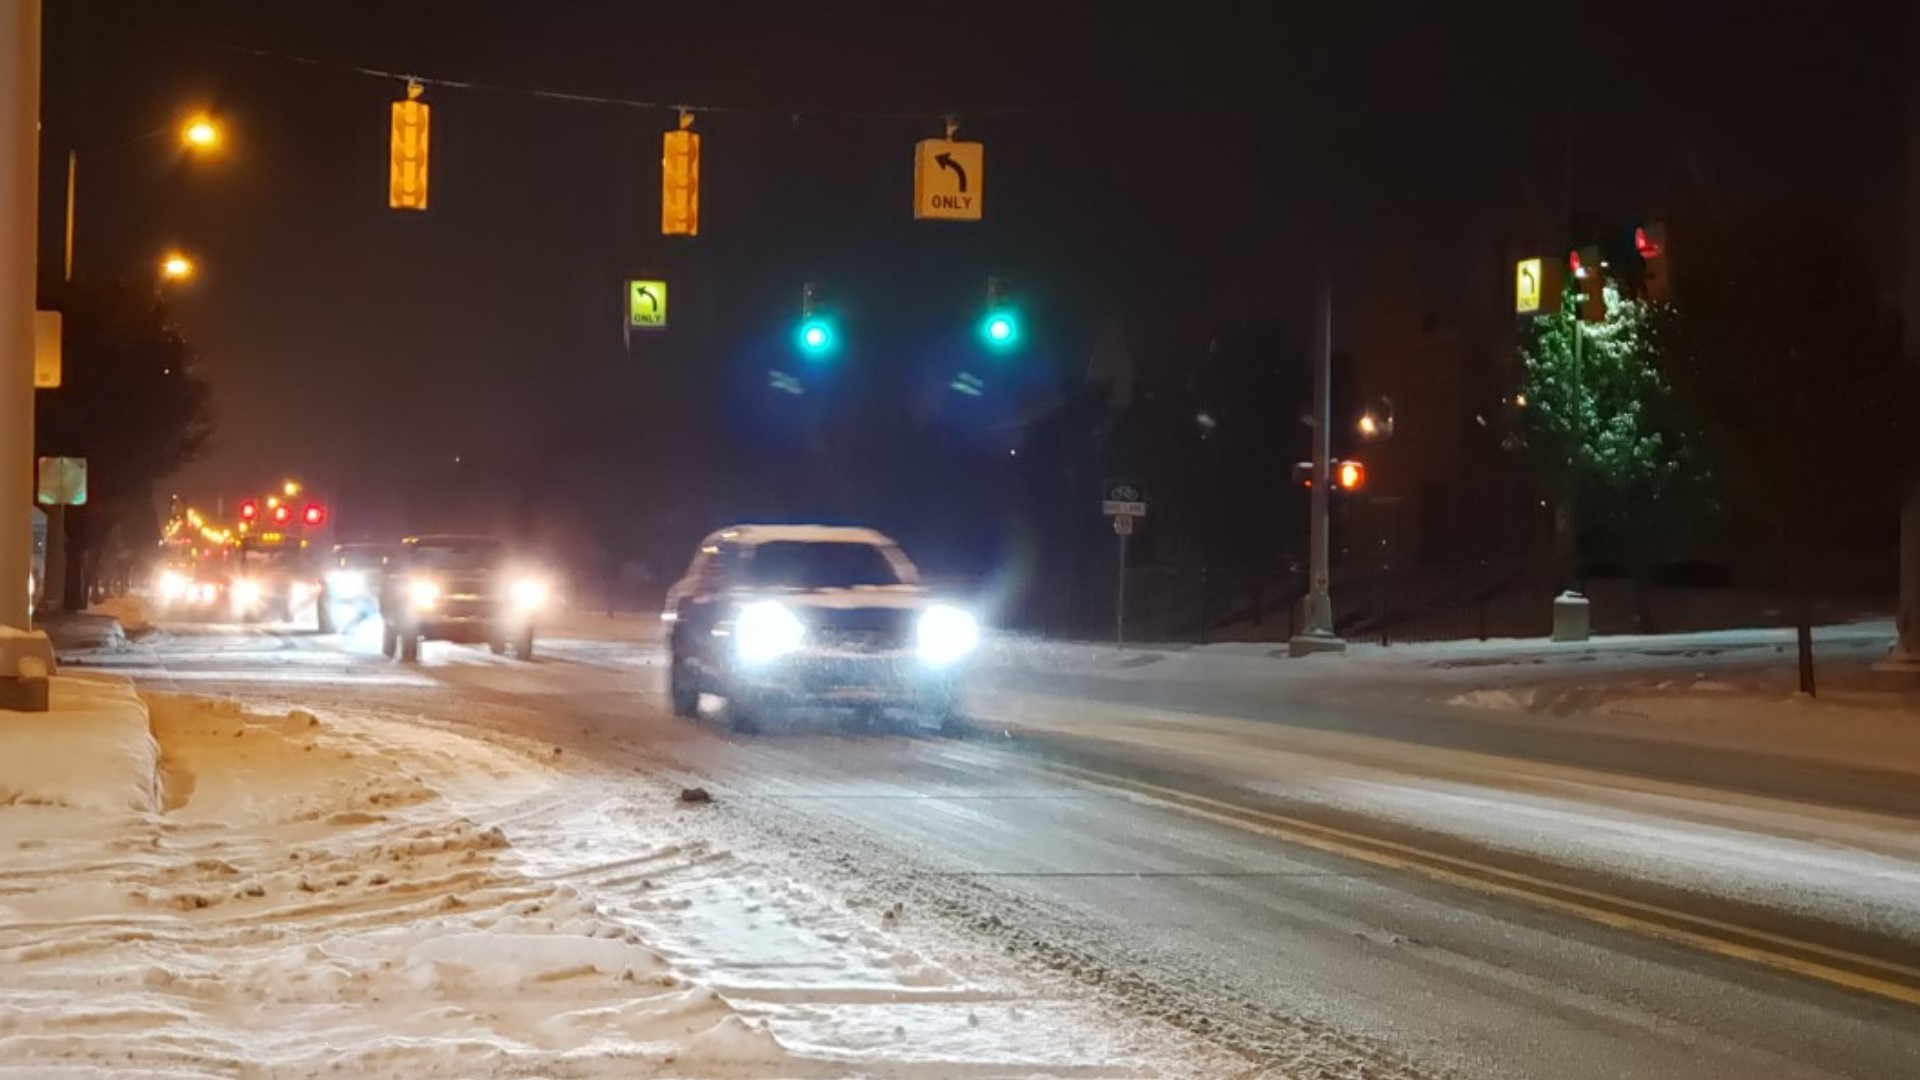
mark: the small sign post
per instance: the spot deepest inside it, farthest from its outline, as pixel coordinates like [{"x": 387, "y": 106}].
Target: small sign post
[{"x": 1123, "y": 501}]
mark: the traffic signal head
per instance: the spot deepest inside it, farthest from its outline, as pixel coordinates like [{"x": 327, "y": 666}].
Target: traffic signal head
[
  {"x": 1000, "y": 330},
  {"x": 315, "y": 515},
  {"x": 1650, "y": 241},
  {"x": 249, "y": 510},
  {"x": 1349, "y": 476},
  {"x": 1590, "y": 282},
  {"x": 282, "y": 514},
  {"x": 815, "y": 335}
]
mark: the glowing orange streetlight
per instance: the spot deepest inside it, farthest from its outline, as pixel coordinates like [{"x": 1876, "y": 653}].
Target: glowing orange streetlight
[
  {"x": 200, "y": 133},
  {"x": 176, "y": 267}
]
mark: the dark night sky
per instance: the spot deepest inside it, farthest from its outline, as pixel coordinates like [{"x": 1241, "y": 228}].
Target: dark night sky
[{"x": 1183, "y": 168}]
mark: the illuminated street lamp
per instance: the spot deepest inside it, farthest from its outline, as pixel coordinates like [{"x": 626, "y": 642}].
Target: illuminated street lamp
[
  {"x": 200, "y": 133},
  {"x": 177, "y": 267}
]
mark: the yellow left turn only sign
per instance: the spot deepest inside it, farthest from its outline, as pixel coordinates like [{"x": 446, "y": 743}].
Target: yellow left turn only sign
[
  {"x": 1527, "y": 286},
  {"x": 647, "y": 304}
]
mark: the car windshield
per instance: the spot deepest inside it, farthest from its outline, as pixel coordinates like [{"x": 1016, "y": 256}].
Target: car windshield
[
  {"x": 798, "y": 565},
  {"x": 456, "y": 555},
  {"x": 362, "y": 558}
]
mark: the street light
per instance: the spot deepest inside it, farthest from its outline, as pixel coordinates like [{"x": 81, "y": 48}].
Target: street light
[
  {"x": 176, "y": 267},
  {"x": 200, "y": 133}
]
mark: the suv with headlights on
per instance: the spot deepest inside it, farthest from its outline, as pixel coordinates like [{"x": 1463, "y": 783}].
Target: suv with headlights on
[
  {"x": 458, "y": 588},
  {"x": 785, "y": 618}
]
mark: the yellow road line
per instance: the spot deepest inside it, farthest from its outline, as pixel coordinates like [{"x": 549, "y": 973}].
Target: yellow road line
[{"x": 1537, "y": 891}]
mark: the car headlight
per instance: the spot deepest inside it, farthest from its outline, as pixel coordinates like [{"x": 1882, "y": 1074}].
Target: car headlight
[
  {"x": 246, "y": 593},
  {"x": 347, "y": 584},
  {"x": 946, "y": 634},
  {"x": 528, "y": 594},
  {"x": 422, "y": 594},
  {"x": 173, "y": 585},
  {"x": 300, "y": 593},
  {"x": 767, "y": 631}
]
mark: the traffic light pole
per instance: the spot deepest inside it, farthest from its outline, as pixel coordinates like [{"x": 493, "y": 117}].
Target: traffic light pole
[
  {"x": 1317, "y": 634},
  {"x": 19, "y": 190}
]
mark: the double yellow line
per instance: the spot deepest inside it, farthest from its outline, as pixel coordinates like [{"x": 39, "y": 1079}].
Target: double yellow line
[{"x": 1838, "y": 967}]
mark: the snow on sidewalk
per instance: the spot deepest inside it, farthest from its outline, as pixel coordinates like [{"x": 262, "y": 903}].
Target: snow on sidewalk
[
  {"x": 91, "y": 749},
  {"x": 302, "y": 896}
]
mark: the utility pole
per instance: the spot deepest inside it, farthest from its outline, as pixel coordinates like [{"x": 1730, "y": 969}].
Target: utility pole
[
  {"x": 1317, "y": 634},
  {"x": 19, "y": 229},
  {"x": 1906, "y": 650}
]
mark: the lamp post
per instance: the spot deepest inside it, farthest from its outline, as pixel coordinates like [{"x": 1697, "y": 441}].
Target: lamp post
[{"x": 201, "y": 135}]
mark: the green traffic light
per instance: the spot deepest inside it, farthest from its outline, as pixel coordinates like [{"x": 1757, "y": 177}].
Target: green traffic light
[
  {"x": 815, "y": 336},
  {"x": 1001, "y": 330}
]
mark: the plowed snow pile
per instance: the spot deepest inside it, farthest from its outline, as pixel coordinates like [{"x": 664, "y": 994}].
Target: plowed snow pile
[{"x": 348, "y": 897}]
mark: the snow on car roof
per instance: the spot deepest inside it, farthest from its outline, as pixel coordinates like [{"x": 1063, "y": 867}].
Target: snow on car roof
[
  {"x": 753, "y": 535},
  {"x": 450, "y": 540}
]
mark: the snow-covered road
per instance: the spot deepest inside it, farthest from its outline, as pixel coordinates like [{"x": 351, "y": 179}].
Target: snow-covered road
[{"x": 1319, "y": 895}]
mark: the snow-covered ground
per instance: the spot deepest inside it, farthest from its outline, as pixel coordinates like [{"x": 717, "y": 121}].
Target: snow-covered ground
[
  {"x": 242, "y": 895},
  {"x": 1732, "y": 689},
  {"x": 131, "y": 612}
]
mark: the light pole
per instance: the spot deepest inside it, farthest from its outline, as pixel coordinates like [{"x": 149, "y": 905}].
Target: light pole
[
  {"x": 19, "y": 193},
  {"x": 199, "y": 135},
  {"x": 1317, "y": 635}
]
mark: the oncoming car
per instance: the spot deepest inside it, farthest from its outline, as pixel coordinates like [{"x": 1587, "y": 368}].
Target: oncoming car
[
  {"x": 350, "y": 585},
  {"x": 781, "y": 618},
  {"x": 458, "y": 588}
]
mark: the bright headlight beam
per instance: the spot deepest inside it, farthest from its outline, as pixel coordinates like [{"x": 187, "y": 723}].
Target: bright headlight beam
[
  {"x": 529, "y": 594},
  {"x": 423, "y": 594},
  {"x": 766, "y": 631},
  {"x": 946, "y": 634}
]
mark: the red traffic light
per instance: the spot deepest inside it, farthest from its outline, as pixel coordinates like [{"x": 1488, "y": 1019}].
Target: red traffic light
[
  {"x": 282, "y": 514},
  {"x": 1647, "y": 243},
  {"x": 249, "y": 510},
  {"x": 315, "y": 515}
]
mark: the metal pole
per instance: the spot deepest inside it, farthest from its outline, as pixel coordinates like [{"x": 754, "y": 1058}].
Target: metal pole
[
  {"x": 1906, "y": 650},
  {"x": 1318, "y": 636},
  {"x": 1120, "y": 597},
  {"x": 19, "y": 190},
  {"x": 73, "y": 174}
]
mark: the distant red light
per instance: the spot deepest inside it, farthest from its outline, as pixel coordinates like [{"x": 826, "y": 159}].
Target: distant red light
[
  {"x": 1645, "y": 245},
  {"x": 249, "y": 510},
  {"x": 282, "y": 514},
  {"x": 315, "y": 515},
  {"x": 1573, "y": 261}
]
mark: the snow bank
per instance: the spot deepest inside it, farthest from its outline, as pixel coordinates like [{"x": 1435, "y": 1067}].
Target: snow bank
[
  {"x": 91, "y": 750},
  {"x": 131, "y": 612},
  {"x": 309, "y": 895}
]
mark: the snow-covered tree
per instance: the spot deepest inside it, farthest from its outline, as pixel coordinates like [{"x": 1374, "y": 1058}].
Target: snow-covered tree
[{"x": 1602, "y": 429}]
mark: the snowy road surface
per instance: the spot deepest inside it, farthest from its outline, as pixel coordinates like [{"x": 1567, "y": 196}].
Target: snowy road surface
[{"x": 1313, "y": 889}]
